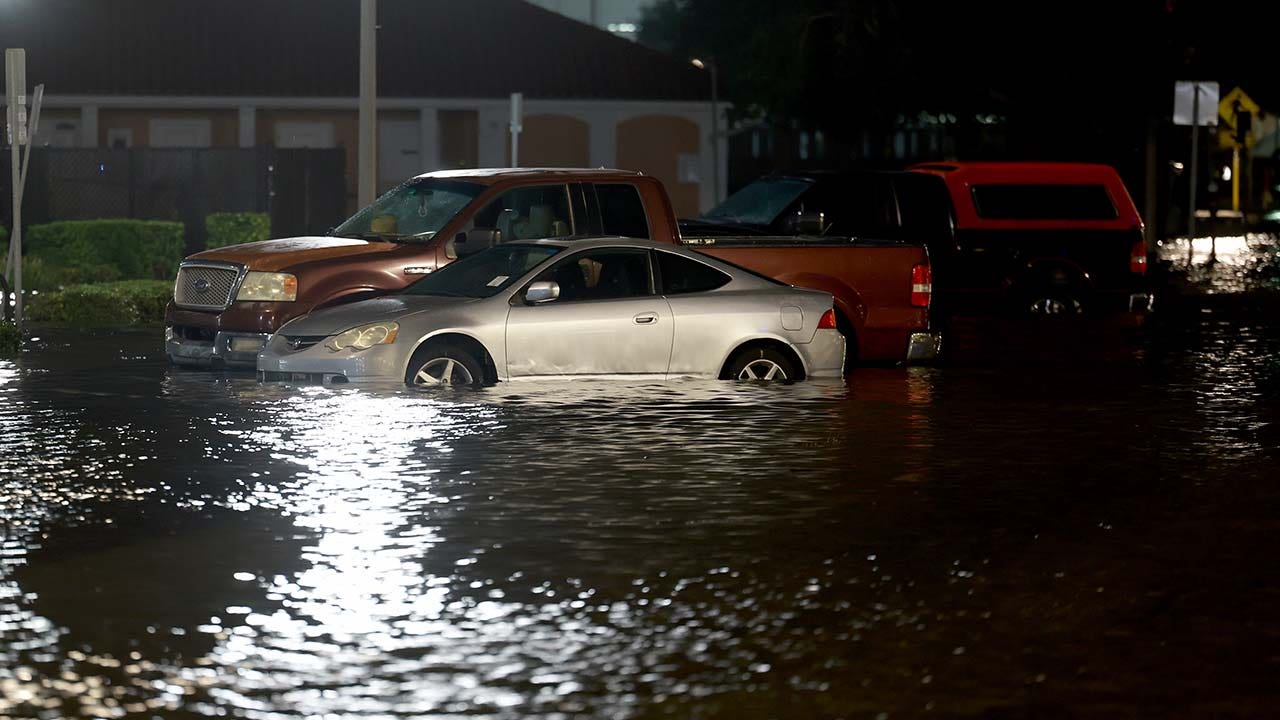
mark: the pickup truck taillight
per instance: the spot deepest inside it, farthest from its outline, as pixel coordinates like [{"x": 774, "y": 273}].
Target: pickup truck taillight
[
  {"x": 827, "y": 321},
  {"x": 921, "y": 285},
  {"x": 1138, "y": 258}
]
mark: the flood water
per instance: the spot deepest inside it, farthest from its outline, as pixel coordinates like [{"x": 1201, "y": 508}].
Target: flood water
[{"x": 1083, "y": 530}]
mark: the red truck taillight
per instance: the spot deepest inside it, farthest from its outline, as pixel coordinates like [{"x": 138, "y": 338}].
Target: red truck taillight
[
  {"x": 921, "y": 285},
  {"x": 827, "y": 321},
  {"x": 1138, "y": 258}
]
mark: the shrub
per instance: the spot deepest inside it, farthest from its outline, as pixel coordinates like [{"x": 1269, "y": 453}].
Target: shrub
[
  {"x": 223, "y": 229},
  {"x": 10, "y": 340},
  {"x": 81, "y": 251},
  {"x": 128, "y": 302}
]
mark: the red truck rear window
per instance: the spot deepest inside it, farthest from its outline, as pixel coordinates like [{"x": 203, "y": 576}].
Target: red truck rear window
[{"x": 1043, "y": 202}]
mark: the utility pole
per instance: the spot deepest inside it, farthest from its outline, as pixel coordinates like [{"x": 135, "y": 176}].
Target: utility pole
[
  {"x": 368, "y": 145},
  {"x": 517, "y": 125}
]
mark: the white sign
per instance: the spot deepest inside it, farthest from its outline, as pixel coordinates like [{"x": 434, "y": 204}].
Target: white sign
[{"x": 1184, "y": 100}]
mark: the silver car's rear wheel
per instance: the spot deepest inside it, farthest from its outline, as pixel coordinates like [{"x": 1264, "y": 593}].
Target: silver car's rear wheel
[
  {"x": 762, "y": 364},
  {"x": 443, "y": 364},
  {"x": 762, "y": 369}
]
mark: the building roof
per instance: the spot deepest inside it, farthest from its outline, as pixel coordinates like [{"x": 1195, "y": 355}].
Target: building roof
[{"x": 310, "y": 48}]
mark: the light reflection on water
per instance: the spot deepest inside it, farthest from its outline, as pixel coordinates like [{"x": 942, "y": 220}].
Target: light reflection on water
[{"x": 185, "y": 544}]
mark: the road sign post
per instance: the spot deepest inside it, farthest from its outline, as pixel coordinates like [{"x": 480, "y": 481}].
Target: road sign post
[{"x": 1195, "y": 104}]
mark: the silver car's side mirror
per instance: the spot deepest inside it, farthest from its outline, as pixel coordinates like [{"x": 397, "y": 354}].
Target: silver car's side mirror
[{"x": 541, "y": 292}]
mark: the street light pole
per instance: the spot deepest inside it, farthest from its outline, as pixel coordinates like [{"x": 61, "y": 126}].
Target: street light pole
[
  {"x": 710, "y": 66},
  {"x": 715, "y": 137},
  {"x": 368, "y": 143}
]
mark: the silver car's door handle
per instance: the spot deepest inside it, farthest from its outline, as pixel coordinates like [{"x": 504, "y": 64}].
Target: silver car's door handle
[{"x": 648, "y": 318}]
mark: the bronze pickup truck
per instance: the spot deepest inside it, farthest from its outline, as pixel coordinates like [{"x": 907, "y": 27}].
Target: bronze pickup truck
[{"x": 228, "y": 301}]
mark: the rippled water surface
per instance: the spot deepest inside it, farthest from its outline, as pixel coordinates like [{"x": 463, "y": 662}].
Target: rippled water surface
[{"x": 1079, "y": 531}]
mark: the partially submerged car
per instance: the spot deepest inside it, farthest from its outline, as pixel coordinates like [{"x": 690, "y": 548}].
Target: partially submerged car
[{"x": 567, "y": 308}]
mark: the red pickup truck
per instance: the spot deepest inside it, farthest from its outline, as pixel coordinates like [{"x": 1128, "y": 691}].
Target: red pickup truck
[{"x": 227, "y": 302}]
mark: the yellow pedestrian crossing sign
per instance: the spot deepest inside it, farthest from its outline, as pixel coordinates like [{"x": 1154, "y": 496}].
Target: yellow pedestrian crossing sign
[{"x": 1233, "y": 102}]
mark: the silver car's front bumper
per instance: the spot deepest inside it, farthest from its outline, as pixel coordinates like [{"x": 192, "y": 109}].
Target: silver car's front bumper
[
  {"x": 227, "y": 349},
  {"x": 380, "y": 363}
]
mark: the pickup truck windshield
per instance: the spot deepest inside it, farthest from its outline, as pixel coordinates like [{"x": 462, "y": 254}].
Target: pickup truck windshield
[
  {"x": 759, "y": 203},
  {"x": 415, "y": 210},
  {"x": 484, "y": 274}
]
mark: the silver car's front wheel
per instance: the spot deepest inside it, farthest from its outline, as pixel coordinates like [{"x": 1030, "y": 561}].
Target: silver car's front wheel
[
  {"x": 443, "y": 364},
  {"x": 443, "y": 371}
]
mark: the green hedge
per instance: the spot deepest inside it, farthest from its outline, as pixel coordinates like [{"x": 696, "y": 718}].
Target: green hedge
[
  {"x": 80, "y": 251},
  {"x": 223, "y": 229},
  {"x": 10, "y": 340},
  {"x": 128, "y": 302}
]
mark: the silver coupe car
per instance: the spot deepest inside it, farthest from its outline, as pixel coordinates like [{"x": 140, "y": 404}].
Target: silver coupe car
[{"x": 608, "y": 307}]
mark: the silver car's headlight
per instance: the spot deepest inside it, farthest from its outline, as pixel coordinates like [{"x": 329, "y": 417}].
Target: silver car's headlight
[
  {"x": 364, "y": 337},
  {"x": 281, "y": 287}
]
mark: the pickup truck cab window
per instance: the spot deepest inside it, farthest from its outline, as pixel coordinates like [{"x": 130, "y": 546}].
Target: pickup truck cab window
[
  {"x": 533, "y": 212},
  {"x": 680, "y": 275},
  {"x": 761, "y": 202},
  {"x": 413, "y": 211},
  {"x": 607, "y": 274},
  {"x": 621, "y": 211}
]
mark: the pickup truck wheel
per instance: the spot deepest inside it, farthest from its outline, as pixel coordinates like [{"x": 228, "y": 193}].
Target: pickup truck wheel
[
  {"x": 762, "y": 364},
  {"x": 441, "y": 364}
]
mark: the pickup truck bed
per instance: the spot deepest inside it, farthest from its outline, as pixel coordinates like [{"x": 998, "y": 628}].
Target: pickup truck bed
[{"x": 870, "y": 279}]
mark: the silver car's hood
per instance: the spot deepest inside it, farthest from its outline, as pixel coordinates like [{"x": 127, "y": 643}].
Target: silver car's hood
[{"x": 393, "y": 307}]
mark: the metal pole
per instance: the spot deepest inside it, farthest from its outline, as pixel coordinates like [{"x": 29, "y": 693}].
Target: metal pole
[
  {"x": 1235, "y": 178},
  {"x": 15, "y": 61},
  {"x": 15, "y": 237},
  {"x": 1195, "y": 165},
  {"x": 715, "y": 137},
  {"x": 368, "y": 145},
  {"x": 1151, "y": 204},
  {"x": 517, "y": 126}
]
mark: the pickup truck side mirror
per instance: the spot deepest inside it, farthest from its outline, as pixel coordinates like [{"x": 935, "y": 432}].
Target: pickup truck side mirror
[
  {"x": 470, "y": 243},
  {"x": 541, "y": 292},
  {"x": 807, "y": 223}
]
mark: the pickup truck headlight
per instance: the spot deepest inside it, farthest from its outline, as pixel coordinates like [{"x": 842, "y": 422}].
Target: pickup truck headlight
[
  {"x": 279, "y": 287},
  {"x": 364, "y": 337}
]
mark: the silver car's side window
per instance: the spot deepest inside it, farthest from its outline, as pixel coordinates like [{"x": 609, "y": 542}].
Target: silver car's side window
[
  {"x": 680, "y": 275},
  {"x": 602, "y": 275},
  {"x": 528, "y": 213}
]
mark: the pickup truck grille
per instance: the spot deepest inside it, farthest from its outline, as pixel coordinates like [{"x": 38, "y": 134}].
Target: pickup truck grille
[{"x": 206, "y": 287}]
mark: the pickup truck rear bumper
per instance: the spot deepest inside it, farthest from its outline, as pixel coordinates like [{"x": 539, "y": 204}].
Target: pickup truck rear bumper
[{"x": 923, "y": 346}]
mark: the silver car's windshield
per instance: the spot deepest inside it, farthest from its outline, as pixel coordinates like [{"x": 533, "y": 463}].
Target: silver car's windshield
[
  {"x": 414, "y": 211},
  {"x": 484, "y": 274}
]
